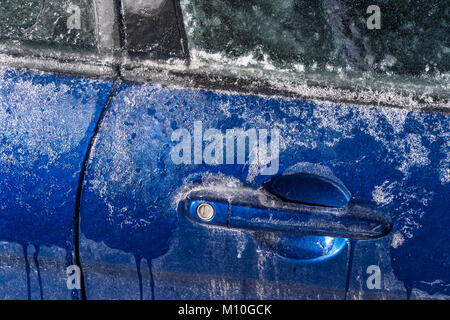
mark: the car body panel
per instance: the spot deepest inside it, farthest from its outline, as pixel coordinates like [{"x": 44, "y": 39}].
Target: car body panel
[
  {"x": 396, "y": 160},
  {"x": 46, "y": 125}
]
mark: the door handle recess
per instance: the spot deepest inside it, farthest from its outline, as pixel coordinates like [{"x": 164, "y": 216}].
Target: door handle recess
[{"x": 259, "y": 210}]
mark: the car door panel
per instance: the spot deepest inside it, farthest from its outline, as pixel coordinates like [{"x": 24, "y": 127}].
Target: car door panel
[
  {"x": 46, "y": 124},
  {"x": 132, "y": 157},
  {"x": 414, "y": 258},
  {"x": 132, "y": 189}
]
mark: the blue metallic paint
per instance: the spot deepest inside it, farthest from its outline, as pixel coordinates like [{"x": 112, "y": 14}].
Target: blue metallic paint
[
  {"x": 394, "y": 159},
  {"x": 47, "y": 122}
]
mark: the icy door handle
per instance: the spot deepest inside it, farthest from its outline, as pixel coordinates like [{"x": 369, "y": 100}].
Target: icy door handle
[{"x": 249, "y": 209}]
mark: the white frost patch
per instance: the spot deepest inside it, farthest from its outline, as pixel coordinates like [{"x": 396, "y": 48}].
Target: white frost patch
[
  {"x": 422, "y": 295},
  {"x": 415, "y": 154},
  {"x": 42, "y": 120},
  {"x": 217, "y": 182},
  {"x": 396, "y": 118},
  {"x": 444, "y": 164},
  {"x": 409, "y": 222},
  {"x": 397, "y": 240},
  {"x": 200, "y": 58},
  {"x": 335, "y": 119},
  {"x": 444, "y": 174},
  {"x": 242, "y": 241},
  {"x": 382, "y": 194},
  {"x": 262, "y": 261}
]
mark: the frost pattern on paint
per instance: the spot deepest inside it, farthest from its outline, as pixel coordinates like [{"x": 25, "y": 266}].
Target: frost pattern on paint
[
  {"x": 36, "y": 125},
  {"x": 377, "y": 153}
]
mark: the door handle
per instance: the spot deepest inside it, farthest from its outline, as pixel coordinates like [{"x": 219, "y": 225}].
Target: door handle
[{"x": 259, "y": 210}]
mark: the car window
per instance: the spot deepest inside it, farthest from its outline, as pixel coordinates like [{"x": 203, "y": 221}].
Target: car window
[
  {"x": 153, "y": 29},
  {"x": 49, "y": 23},
  {"x": 389, "y": 38}
]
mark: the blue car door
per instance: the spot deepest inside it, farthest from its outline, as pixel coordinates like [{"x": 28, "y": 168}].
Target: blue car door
[
  {"x": 258, "y": 150},
  {"x": 47, "y": 121}
]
